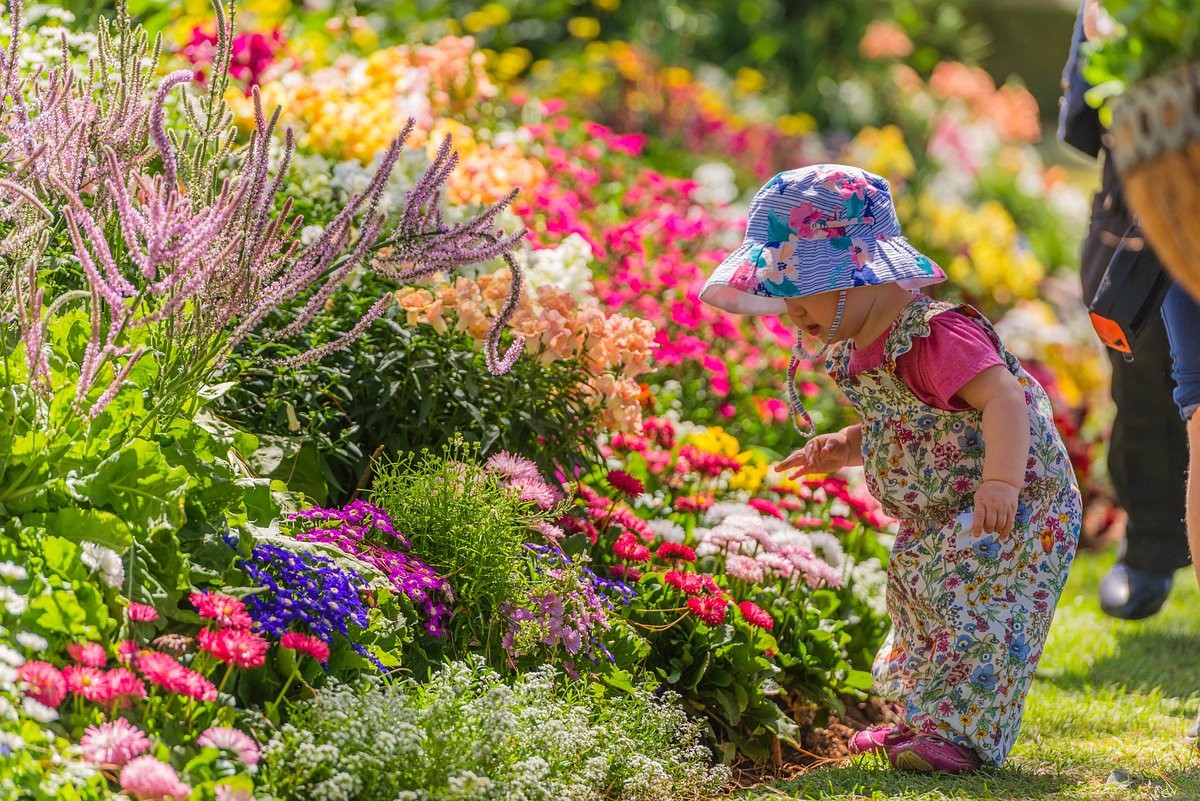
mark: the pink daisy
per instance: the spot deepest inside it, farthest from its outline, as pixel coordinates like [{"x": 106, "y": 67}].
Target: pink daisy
[
  {"x": 239, "y": 647},
  {"x": 708, "y": 608},
  {"x": 628, "y": 547},
  {"x": 113, "y": 744},
  {"x": 672, "y": 551},
  {"x": 235, "y": 741},
  {"x": 306, "y": 644},
  {"x": 756, "y": 616},
  {"x": 141, "y": 613},
  {"x": 44, "y": 682},
  {"x": 513, "y": 466},
  {"x": 147, "y": 778},
  {"x": 90, "y": 654},
  {"x": 225, "y": 609}
]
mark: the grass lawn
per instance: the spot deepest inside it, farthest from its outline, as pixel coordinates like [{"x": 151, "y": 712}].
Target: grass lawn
[{"x": 1110, "y": 696}]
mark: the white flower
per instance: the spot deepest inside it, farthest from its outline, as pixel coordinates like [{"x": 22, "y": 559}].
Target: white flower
[
  {"x": 31, "y": 641},
  {"x": 10, "y": 742},
  {"x": 718, "y": 183},
  {"x": 38, "y": 711},
  {"x": 668, "y": 530},
  {"x": 10, "y": 656},
  {"x": 11, "y": 571},
  {"x": 14, "y": 603},
  {"x": 106, "y": 561}
]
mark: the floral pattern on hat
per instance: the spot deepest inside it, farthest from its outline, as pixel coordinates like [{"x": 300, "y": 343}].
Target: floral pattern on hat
[{"x": 813, "y": 230}]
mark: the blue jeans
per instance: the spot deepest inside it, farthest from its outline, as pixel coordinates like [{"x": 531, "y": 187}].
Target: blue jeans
[{"x": 1181, "y": 314}]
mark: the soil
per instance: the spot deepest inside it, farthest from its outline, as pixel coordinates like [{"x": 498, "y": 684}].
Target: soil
[{"x": 823, "y": 738}]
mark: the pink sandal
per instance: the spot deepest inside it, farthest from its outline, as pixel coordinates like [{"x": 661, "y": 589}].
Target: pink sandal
[
  {"x": 877, "y": 738},
  {"x": 929, "y": 753}
]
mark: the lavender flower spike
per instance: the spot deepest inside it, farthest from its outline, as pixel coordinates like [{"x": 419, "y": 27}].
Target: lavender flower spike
[{"x": 158, "y": 131}]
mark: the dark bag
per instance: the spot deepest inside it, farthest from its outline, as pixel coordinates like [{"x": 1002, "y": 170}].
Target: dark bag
[{"x": 1130, "y": 293}]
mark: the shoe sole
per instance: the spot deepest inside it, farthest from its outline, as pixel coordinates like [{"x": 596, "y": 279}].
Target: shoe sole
[{"x": 912, "y": 761}]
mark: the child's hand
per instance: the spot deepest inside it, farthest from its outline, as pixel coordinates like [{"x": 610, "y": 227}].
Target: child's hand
[
  {"x": 995, "y": 507},
  {"x": 826, "y": 453}
]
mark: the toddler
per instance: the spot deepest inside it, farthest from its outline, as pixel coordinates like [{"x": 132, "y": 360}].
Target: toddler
[{"x": 956, "y": 440}]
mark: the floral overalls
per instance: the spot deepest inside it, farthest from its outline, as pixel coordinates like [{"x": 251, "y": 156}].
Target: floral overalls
[{"x": 969, "y": 613}]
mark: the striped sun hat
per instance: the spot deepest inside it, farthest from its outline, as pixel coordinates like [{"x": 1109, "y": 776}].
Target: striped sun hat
[{"x": 812, "y": 230}]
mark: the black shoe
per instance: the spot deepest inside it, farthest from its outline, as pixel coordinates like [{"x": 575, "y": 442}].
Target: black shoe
[{"x": 1132, "y": 594}]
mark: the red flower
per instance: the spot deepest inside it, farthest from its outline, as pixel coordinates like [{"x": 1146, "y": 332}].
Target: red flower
[
  {"x": 766, "y": 507},
  {"x": 239, "y": 647},
  {"x": 843, "y": 523},
  {"x": 672, "y": 551},
  {"x": 691, "y": 583},
  {"x": 708, "y": 608},
  {"x": 627, "y": 547},
  {"x": 624, "y": 483},
  {"x": 756, "y": 616},
  {"x": 306, "y": 644},
  {"x": 693, "y": 503}
]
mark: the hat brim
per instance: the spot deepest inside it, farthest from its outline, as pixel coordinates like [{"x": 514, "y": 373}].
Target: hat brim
[{"x": 741, "y": 284}]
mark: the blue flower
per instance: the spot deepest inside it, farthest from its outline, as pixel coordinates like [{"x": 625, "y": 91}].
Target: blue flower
[
  {"x": 1018, "y": 650},
  {"x": 971, "y": 441},
  {"x": 988, "y": 548},
  {"x": 984, "y": 677}
]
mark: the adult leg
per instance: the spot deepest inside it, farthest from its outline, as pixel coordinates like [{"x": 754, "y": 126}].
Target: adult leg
[
  {"x": 1181, "y": 313},
  {"x": 1147, "y": 460}
]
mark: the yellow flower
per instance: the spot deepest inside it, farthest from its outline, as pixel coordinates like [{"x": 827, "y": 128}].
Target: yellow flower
[
  {"x": 753, "y": 472},
  {"x": 714, "y": 440}
]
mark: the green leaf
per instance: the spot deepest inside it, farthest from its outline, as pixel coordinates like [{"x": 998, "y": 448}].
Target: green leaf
[{"x": 137, "y": 484}]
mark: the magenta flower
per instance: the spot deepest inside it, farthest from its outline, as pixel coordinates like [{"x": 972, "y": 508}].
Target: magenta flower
[
  {"x": 141, "y": 613},
  {"x": 624, "y": 483},
  {"x": 756, "y": 616},
  {"x": 89, "y": 654}
]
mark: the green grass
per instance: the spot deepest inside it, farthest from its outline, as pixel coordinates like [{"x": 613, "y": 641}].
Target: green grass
[{"x": 1109, "y": 696}]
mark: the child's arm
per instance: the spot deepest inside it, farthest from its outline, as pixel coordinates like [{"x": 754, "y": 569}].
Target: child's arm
[
  {"x": 997, "y": 393},
  {"x": 827, "y": 453}
]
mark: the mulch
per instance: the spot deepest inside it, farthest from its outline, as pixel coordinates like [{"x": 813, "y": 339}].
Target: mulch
[{"x": 822, "y": 741}]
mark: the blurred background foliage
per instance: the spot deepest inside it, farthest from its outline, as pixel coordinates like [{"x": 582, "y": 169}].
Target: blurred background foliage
[{"x": 791, "y": 53}]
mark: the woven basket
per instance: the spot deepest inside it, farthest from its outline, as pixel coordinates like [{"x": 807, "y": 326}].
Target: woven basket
[{"x": 1156, "y": 150}]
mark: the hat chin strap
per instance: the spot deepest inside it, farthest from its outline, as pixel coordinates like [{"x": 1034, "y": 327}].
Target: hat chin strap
[{"x": 801, "y": 420}]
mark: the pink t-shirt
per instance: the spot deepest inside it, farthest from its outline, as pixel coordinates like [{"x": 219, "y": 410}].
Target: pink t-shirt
[{"x": 938, "y": 365}]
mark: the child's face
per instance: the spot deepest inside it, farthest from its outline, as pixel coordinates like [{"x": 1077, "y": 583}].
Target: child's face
[{"x": 813, "y": 314}]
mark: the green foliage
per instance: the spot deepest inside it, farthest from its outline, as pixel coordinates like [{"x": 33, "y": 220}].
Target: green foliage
[
  {"x": 471, "y": 529},
  {"x": 1152, "y": 37},
  {"x": 466, "y": 733},
  {"x": 718, "y": 671},
  {"x": 399, "y": 389}
]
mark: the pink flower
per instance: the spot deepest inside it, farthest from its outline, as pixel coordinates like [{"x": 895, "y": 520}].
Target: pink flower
[
  {"x": 83, "y": 680},
  {"x": 766, "y": 507},
  {"x": 691, "y": 583},
  {"x": 306, "y": 644},
  {"x": 113, "y": 744},
  {"x": 708, "y": 608},
  {"x": 90, "y": 654},
  {"x": 141, "y": 613},
  {"x": 235, "y": 741},
  {"x": 756, "y": 616},
  {"x": 225, "y": 609},
  {"x": 627, "y": 547},
  {"x": 624, "y": 483},
  {"x": 45, "y": 683},
  {"x": 146, "y": 778},
  {"x": 164, "y": 671},
  {"x": 239, "y": 647},
  {"x": 118, "y": 685}
]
